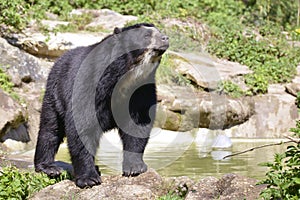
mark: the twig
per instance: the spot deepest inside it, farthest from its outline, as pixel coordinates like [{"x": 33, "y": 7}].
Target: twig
[
  {"x": 296, "y": 140},
  {"x": 265, "y": 145}
]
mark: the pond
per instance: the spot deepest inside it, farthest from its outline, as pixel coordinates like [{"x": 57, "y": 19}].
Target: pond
[{"x": 179, "y": 154}]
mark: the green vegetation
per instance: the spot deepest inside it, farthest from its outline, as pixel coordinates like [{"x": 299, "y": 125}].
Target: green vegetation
[
  {"x": 7, "y": 85},
  {"x": 298, "y": 100},
  {"x": 5, "y": 82},
  {"x": 16, "y": 184},
  {"x": 166, "y": 73},
  {"x": 170, "y": 196},
  {"x": 254, "y": 33},
  {"x": 230, "y": 88},
  {"x": 283, "y": 177}
]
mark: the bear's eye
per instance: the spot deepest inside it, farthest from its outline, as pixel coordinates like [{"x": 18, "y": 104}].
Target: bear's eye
[{"x": 147, "y": 35}]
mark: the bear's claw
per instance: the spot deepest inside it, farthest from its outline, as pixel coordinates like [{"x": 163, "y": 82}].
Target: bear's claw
[
  {"x": 87, "y": 182},
  {"x": 50, "y": 169},
  {"x": 134, "y": 169}
]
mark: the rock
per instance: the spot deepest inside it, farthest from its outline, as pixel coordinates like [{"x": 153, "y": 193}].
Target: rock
[
  {"x": 294, "y": 87},
  {"x": 12, "y": 119},
  {"x": 266, "y": 116},
  {"x": 106, "y": 18},
  {"x": 12, "y": 145},
  {"x": 151, "y": 185},
  {"x": 54, "y": 44},
  {"x": 274, "y": 114},
  {"x": 22, "y": 66},
  {"x": 52, "y": 24},
  {"x": 144, "y": 186},
  {"x": 183, "y": 109},
  {"x": 230, "y": 186},
  {"x": 32, "y": 94},
  {"x": 205, "y": 71},
  {"x": 204, "y": 189},
  {"x": 29, "y": 74}
]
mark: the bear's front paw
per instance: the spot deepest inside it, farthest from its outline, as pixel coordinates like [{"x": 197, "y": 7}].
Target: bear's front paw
[
  {"x": 87, "y": 182},
  {"x": 134, "y": 169},
  {"x": 51, "y": 170}
]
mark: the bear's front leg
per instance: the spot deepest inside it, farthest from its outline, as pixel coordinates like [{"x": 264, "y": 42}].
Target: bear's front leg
[{"x": 133, "y": 151}]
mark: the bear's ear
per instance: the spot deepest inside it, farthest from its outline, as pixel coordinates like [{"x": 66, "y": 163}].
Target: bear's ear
[{"x": 117, "y": 30}]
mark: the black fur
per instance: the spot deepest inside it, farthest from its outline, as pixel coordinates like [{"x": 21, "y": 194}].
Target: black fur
[{"x": 57, "y": 120}]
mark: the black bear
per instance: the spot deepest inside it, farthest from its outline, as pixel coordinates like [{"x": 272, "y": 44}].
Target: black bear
[{"x": 93, "y": 89}]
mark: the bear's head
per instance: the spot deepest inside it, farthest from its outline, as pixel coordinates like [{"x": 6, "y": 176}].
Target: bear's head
[{"x": 145, "y": 40}]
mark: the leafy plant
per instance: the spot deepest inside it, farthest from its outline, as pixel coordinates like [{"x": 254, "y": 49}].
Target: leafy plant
[
  {"x": 170, "y": 196},
  {"x": 230, "y": 88},
  {"x": 16, "y": 184},
  {"x": 298, "y": 100},
  {"x": 5, "y": 82},
  {"x": 13, "y": 13},
  {"x": 257, "y": 82},
  {"x": 7, "y": 86},
  {"x": 283, "y": 178}
]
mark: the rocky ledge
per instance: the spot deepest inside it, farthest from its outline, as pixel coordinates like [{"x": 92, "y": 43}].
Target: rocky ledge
[{"x": 151, "y": 185}]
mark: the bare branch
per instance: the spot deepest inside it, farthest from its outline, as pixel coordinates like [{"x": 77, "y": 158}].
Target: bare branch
[
  {"x": 265, "y": 145},
  {"x": 296, "y": 140}
]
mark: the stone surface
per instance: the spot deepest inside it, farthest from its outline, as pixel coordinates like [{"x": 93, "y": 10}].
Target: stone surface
[
  {"x": 230, "y": 186},
  {"x": 29, "y": 76},
  {"x": 274, "y": 114},
  {"x": 145, "y": 186},
  {"x": 151, "y": 185},
  {"x": 106, "y": 18},
  {"x": 183, "y": 109},
  {"x": 53, "y": 45},
  {"x": 21, "y": 66},
  {"x": 294, "y": 87},
  {"x": 12, "y": 117},
  {"x": 265, "y": 116},
  {"x": 206, "y": 71}
]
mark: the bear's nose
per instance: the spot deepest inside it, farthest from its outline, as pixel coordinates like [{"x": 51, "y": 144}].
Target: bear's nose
[{"x": 165, "y": 38}]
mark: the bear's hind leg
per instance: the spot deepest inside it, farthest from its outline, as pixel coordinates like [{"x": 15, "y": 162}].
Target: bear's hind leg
[
  {"x": 85, "y": 171},
  {"x": 49, "y": 138}
]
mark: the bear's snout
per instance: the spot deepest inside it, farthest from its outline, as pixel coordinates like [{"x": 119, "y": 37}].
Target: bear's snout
[{"x": 165, "y": 38}]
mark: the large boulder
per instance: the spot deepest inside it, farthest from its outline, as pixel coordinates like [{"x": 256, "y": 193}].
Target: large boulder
[
  {"x": 183, "y": 109},
  {"x": 274, "y": 114},
  {"x": 150, "y": 186},
  {"x": 29, "y": 76},
  {"x": 53, "y": 45},
  {"x": 294, "y": 87},
  {"x": 230, "y": 186},
  {"x": 13, "y": 121},
  {"x": 144, "y": 186},
  {"x": 206, "y": 71},
  {"x": 21, "y": 66},
  {"x": 105, "y": 18}
]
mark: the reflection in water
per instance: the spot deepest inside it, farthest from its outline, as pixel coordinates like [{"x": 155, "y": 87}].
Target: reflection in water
[
  {"x": 179, "y": 155},
  {"x": 190, "y": 164}
]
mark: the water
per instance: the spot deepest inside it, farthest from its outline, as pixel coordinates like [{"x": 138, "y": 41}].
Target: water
[{"x": 178, "y": 154}]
